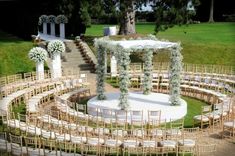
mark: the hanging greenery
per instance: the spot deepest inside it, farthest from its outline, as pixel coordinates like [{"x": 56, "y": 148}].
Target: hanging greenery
[
  {"x": 148, "y": 67},
  {"x": 61, "y": 19},
  {"x": 56, "y": 47},
  {"x": 175, "y": 72},
  {"x": 37, "y": 54},
  {"x": 51, "y": 19},
  {"x": 100, "y": 72}
]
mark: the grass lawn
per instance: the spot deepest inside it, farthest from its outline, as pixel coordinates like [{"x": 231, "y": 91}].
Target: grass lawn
[
  {"x": 14, "y": 55},
  {"x": 193, "y": 108},
  {"x": 203, "y": 43}
]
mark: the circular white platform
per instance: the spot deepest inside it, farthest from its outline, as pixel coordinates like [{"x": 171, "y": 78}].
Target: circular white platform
[{"x": 139, "y": 101}]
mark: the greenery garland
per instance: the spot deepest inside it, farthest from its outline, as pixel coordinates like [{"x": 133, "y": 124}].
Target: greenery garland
[
  {"x": 123, "y": 59},
  {"x": 100, "y": 72},
  {"x": 43, "y": 19},
  {"x": 124, "y": 78},
  {"x": 37, "y": 54},
  {"x": 51, "y": 19},
  {"x": 175, "y": 72},
  {"x": 61, "y": 19},
  {"x": 148, "y": 67},
  {"x": 56, "y": 47}
]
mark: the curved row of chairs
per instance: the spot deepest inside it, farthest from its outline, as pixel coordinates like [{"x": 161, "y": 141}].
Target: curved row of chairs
[{"x": 57, "y": 130}]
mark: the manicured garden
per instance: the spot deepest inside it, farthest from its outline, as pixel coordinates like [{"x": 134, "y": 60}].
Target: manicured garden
[{"x": 203, "y": 43}]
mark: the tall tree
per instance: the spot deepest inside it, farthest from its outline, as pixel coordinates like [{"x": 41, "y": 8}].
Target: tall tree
[
  {"x": 211, "y": 18},
  {"x": 78, "y": 16},
  {"x": 127, "y": 9},
  {"x": 169, "y": 13}
]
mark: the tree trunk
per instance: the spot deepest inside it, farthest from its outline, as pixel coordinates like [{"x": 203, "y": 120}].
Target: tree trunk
[
  {"x": 127, "y": 19},
  {"x": 211, "y": 18}
]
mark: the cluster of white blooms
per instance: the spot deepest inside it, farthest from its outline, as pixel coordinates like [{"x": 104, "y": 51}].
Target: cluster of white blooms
[
  {"x": 124, "y": 81},
  {"x": 38, "y": 54},
  {"x": 61, "y": 19},
  {"x": 56, "y": 47},
  {"x": 148, "y": 67},
  {"x": 175, "y": 72},
  {"x": 51, "y": 18},
  {"x": 122, "y": 54},
  {"x": 100, "y": 71},
  {"x": 43, "y": 19}
]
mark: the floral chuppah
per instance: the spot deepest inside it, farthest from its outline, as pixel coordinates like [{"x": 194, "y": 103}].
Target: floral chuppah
[{"x": 122, "y": 50}]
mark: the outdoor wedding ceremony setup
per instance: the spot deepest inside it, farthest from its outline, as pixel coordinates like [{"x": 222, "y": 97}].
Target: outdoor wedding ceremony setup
[
  {"x": 171, "y": 107},
  {"x": 109, "y": 94},
  {"x": 149, "y": 120}
]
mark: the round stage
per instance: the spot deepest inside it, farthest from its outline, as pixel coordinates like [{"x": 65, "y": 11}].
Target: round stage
[{"x": 139, "y": 101}]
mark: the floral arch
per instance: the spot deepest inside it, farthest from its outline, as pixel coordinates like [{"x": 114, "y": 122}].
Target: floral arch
[{"x": 122, "y": 50}]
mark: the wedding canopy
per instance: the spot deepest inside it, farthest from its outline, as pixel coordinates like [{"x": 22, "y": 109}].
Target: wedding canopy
[{"x": 122, "y": 49}]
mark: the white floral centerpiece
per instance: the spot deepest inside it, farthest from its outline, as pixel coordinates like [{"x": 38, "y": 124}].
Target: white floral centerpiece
[
  {"x": 52, "y": 19},
  {"x": 38, "y": 55},
  {"x": 55, "y": 48},
  {"x": 43, "y": 20},
  {"x": 61, "y": 20}
]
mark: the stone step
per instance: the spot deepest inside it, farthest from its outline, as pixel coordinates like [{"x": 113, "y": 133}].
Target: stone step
[{"x": 74, "y": 59}]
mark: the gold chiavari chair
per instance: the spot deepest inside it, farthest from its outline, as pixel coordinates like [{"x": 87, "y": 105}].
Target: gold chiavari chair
[
  {"x": 49, "y": 147},
  {"x": 16, "y": 144},
  {"x": 202, "y": 119},
  {"x": 229, "y": 125},
  {"x": 33, "y": 145},
  {"x": 3, "y": 141},
  {"x": 188, "y": 143},
  {"x": 206, "y": 149}
]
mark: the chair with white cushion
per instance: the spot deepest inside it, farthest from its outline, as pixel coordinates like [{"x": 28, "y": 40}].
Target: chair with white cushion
[
  {"x": 16, "y": 144},
  {"x": 202, "y": 119},
  {"x": 229, "y": 125},
  {"x": 189, "y": 140}
]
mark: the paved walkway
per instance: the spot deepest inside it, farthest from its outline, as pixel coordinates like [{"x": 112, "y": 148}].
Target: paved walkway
[{"x": 50, "y": 37}]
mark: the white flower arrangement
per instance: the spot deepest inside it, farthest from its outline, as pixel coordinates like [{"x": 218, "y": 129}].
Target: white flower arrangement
[
  {"x": 52, "y": 19},
  {"x": 175, "y": 72},
  {"x": 148, "y": 67},
  {"x": 124, "y": 81},
  {"x": 61, "y": 19},
  {"x": 56, "y": 47},
  {"x": 105, "y": 44},
  {"x": 100, "y": 71},
  {"x": 37, "y": 54},
  {"x": 43, "y": 19}
]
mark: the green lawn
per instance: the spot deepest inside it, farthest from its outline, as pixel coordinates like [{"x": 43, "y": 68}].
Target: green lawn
[
  {"x": 193, "y": 108},
  {"x": 14, "y": 55},
  {"x": 203, "y": 43}
]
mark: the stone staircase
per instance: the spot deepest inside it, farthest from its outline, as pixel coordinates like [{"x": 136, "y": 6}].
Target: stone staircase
[{"x": 72, "y": 59}]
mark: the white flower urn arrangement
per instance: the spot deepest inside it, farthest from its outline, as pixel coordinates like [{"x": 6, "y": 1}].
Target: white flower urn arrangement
[
  {"x": 55, "y": 48},
  {"x": 38, "y": 55},
  {"x": 61, "y": 20},
  {"x": 43, "y": 20},
  {"x": 52, "y": 21}
]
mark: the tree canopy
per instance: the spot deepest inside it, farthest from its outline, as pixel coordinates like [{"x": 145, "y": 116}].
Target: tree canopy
[{"x": 80, "y": 13}]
